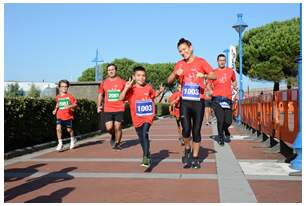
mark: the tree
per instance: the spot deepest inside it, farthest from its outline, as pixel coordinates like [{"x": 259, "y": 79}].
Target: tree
[
  {"x": 88, "y": 75},
  {"x": 156, "y": 73},
  {"x": 34, "y": 91},
  {"x": 13, "y": 90},
  {"x": 270, "y": 51}
]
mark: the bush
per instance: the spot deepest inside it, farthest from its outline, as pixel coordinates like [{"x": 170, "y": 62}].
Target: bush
[{"x": 29, "y": 121}]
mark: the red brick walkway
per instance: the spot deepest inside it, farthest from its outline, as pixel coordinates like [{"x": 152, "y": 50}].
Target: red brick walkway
[{"x": 93, "y": 172}]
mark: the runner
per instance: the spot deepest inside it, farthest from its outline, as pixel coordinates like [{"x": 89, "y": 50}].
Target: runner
[
  {"x": 191, "y": 72},
  {"x": 65, "y": 104},
  {"x": 174, "y": 109},
  {"x": 141, "y": 98},
  {"x": 113, "y": 107},
  {"x": 222, "y": 98}
]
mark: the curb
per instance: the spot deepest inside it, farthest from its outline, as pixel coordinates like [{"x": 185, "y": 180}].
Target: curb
[{"x": 35, "y": 148}]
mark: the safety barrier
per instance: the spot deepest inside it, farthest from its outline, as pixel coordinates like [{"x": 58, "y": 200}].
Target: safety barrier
[{"x": 275, "y": 115}]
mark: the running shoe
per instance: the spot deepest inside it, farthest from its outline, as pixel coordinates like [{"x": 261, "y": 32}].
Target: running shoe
[
  {"x": 59, "y": 147},
  {"x": 146, "y": 162},
  {"x": 186, "y": 159},
  {"x": 117, "y": 146},
  {"x": 112, "y": 141},
  {"x": 73, "y": 140},
  {"x": 196, "y": 163}
]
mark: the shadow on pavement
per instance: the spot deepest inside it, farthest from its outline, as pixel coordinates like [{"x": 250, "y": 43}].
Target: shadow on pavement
[
  {"x": 28, "y": 170},
  {"x": 56, "y": 196},
  {"x": 38, "y": 183},
  {"x": 129, "y": 143}
]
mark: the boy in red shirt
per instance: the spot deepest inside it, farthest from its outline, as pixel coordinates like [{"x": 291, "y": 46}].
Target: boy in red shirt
[
  {"x": 141, "y": 99},
  {"x": 174, "y": 110},
  {"x": 222, "y": 98},
  {"x": 113, "y": 107},
  {"x": 65, "y": 104}
]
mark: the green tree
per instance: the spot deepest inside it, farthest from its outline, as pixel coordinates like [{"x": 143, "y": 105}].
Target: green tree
[
  {"x": 34, "y": 91},
  {"x": 88, "y": 75},
  {"x": 13, "y": 90},
  {"x": 270, "y": 51}
]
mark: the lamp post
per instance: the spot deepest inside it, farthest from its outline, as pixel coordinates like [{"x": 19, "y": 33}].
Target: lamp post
[
  {"x": 240, "y": 26},
  {"x": 226, "y": 51},
  {"x": 97, "y": 60},
  {"x": 297, "y": 145}
]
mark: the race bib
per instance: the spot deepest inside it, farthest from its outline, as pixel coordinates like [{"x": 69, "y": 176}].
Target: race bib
[
  {"x": 225, "y": 105},
  {"x": 63, "y": 102},
  {"x": 144, "y": 108},
  {"x": 191, "y": 92},
  {"x": 113, "y": 95}
]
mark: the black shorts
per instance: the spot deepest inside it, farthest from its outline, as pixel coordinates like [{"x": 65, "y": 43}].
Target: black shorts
[
  {"x": 207, "y": 102},
  {"x": 113, "y": 116},
  {"x": 64, "y": 123}
]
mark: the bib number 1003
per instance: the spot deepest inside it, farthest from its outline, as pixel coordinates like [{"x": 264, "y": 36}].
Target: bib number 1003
[
  {"x": 191, "y": 92},
  {"x": 144, "y": 108}
]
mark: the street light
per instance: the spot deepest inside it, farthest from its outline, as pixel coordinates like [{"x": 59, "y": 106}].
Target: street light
[
  {"x": 97, "y": 60},
  {"x": 240, "y": 26}
]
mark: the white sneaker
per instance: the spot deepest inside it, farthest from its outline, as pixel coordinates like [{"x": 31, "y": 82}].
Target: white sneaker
[
  {"x": 72, "y": 142},
  {"x": 59, "y": 147}
]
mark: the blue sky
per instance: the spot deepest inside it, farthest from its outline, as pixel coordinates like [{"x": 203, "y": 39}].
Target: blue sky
[{"x": 55, "y": 41}]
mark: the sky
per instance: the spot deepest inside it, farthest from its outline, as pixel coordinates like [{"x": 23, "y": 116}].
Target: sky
[{"x": 58, "y": 41}]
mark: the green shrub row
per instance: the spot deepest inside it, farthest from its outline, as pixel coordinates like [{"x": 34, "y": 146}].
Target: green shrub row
[{"x": 29, "y": 121}]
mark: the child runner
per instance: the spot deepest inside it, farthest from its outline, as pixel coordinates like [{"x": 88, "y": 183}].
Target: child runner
[
  {"x": 141, "y": 99},
  {"x": 65, "y": 104},
  {"x": 174, "y": 109}
]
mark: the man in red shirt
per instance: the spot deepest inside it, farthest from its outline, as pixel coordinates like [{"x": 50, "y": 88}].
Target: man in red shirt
[
  {"x": 191, "y": 72},
  {"x": 114, "y": 108},
  {"x": 141, "y": 98},
  {"x": 174, "y": 110},
  {"x": 65, "y": 103},
  {"x": 222, "y": 98}
]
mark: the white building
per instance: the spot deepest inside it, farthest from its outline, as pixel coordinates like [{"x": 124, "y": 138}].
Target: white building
[{"x": 46, "y": 88}]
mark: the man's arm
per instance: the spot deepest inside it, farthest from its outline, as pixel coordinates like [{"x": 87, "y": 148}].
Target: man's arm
[{"x": 99, "y": 107}]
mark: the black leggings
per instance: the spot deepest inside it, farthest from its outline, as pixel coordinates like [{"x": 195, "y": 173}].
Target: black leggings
[
  {"x": 192, "y": 110},
  {"x": 224, "y": 118},
  {"x": 143, "y": 136},
  {"x": 178, "y": 122}
]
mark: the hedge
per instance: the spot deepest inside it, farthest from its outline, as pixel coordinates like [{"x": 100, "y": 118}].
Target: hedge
[{"x": 29, "y": 121}]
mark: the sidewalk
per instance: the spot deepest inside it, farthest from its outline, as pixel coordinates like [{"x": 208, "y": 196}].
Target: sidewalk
[{"x": 244, "y": 170}]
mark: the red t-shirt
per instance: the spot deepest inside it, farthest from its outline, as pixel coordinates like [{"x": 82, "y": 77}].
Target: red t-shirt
[
  {"x": 142, "y": 106},
  {"x": 112, "y": 89},
  {"x": 223, "y": 84},
  {"x": 62, "y": 101},
  {"x": 172, "y": 98},
  {"x": 190, "y": 71}
]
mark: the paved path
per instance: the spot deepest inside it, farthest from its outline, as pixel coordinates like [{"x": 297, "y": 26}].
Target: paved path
[{"x": 241, "y": 171}]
